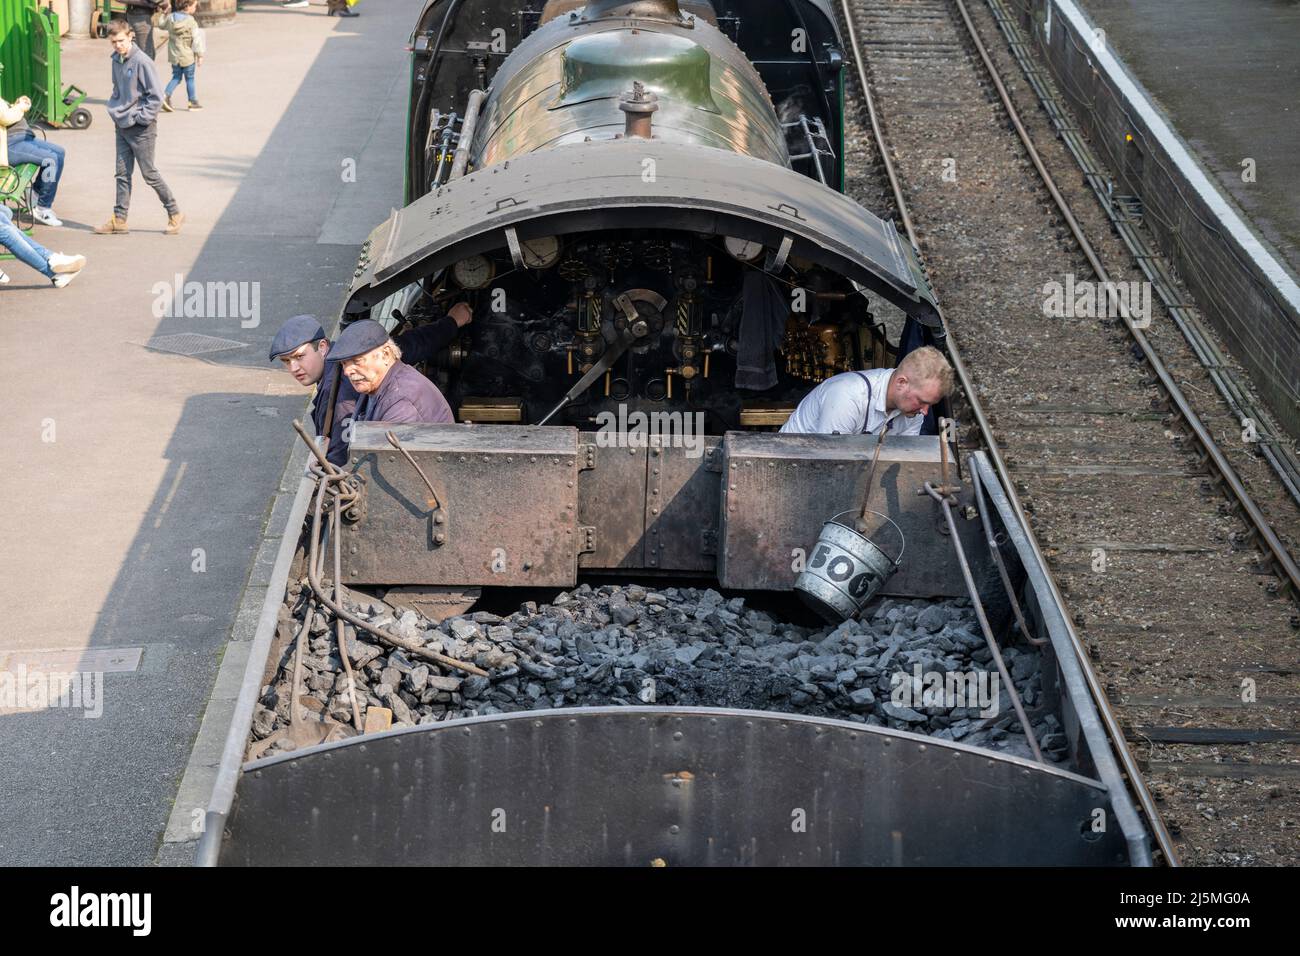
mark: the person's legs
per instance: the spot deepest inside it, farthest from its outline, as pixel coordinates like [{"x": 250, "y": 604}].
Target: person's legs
[
  {"x": 143, "y": 140},
  {"x": 25, "y": 249},
  {"x": 189, "y": 83},
  {"x": 49, "y": 156},
  {"x": 143, "y": 32},
  {"x": 125, "y": 169},
  {"x": 175, "y": 81}
]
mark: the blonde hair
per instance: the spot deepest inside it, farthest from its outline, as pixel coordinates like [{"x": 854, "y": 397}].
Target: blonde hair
[{"x": 927, "y": 364}]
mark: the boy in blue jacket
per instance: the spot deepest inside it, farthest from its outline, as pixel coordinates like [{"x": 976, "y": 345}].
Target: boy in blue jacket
[{"x": 137, "y": 95}]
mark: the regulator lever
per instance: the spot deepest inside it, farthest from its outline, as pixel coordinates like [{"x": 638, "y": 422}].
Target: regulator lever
[{"x": 612, "y": 354}]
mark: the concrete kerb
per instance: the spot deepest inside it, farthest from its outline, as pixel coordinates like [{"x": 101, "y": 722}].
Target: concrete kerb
[{"x": 207, "y": 786}]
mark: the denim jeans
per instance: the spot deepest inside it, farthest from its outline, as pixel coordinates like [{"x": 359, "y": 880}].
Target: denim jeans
[
  {"x": 135, "y": 145},
  {"x": 24, "y": 248},
  {"x": 179, "y": 71},
  {"x": 49, "y": 156}
]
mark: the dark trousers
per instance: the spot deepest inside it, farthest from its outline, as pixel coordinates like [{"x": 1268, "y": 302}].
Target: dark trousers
[
  {"x": 135, "y": 144},
  {"x": 139, "y": 21}
]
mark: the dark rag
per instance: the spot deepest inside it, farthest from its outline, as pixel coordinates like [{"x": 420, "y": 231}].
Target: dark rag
[{"x": 764, "y": 311}]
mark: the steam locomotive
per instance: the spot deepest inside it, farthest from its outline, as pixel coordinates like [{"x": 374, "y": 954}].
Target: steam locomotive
[
  {"x": 610, "y": 185},
  {"x": 641, "y": 202}
]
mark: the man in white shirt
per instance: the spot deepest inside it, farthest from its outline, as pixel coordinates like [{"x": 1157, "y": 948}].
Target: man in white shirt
[{"x": 859, "y": 403}]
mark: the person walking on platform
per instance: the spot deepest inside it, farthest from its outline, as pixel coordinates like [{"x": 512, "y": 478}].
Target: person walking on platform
[
  {"x": 139, "y": 16},
  {"x": 137, "y": 96},
  {"x": 185, "y": 48}
]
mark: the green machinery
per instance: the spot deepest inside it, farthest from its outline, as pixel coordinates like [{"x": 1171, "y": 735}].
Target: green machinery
[{"x": 30, "y": 52}]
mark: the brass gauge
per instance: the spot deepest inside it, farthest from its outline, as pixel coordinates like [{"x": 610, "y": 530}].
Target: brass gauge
[
  {"x": 540, "y": 253},
  {"x": 473, "y": 273}
]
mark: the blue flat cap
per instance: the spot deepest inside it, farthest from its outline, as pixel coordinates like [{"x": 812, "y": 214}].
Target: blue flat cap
[
  {"x": 358, "y": 339},
  {"x": 297, "y": 331}
]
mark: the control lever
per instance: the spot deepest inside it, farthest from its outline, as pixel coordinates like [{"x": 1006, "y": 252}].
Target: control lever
[{"x": 636, "y": 328}]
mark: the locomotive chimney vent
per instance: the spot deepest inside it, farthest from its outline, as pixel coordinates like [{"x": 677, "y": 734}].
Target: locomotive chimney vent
[{"x": 637, "y": 106}]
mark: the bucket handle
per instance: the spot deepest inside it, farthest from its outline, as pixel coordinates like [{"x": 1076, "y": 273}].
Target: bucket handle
[{"x": 898, "y": 560}]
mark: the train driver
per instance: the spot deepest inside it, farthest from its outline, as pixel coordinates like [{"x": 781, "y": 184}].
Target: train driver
[
  {"x": 391, "y": 391},
  {"x": 858, "y": 403}
]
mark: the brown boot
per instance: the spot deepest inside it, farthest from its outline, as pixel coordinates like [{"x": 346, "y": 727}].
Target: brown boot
[
  {"x": 174, "y": 224},
  {"x": 114, "y": 226}
]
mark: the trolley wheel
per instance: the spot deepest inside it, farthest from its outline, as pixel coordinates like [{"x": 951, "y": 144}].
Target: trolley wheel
[
  {"x": 101, "y": 31},
  {"x": 79, "y": 118}
]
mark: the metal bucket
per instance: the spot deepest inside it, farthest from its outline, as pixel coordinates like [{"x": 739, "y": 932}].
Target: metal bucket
[{"x": 845, "y": 570}]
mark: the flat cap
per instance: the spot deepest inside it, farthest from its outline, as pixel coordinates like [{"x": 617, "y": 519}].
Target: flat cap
[
  {"x": 358, "y": 339},
  {"x": 295, "y": 332}
]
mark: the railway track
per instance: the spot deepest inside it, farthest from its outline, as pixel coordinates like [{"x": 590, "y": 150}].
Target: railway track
[{"x": 1118, "y": 476}]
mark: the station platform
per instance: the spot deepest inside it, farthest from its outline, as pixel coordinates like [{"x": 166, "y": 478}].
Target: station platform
[
  {"x": 146, "y": 439},
  {"x": 1227, "y": 75}
]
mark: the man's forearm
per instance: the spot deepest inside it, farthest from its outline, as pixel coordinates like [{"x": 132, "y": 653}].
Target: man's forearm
[{"x": 424, "y": 344}]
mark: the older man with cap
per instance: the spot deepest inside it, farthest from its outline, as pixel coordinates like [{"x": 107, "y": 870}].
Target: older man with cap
[
  {"x": 301, "y": 345},
  {"x": 391, "y": 391}
]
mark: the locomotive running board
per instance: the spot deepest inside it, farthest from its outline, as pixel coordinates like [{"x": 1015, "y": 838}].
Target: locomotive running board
[{"x": 530, "y": 506}]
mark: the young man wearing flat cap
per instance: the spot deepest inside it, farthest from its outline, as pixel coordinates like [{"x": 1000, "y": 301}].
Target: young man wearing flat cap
[
  {"x": 303, "y": 349},
  {"x": 391, "y": 391}
]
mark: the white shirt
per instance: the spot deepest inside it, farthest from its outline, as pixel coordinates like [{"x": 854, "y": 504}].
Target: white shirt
[{"x": 840, "y": 406}]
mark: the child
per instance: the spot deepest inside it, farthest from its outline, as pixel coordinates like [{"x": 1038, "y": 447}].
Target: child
[{"x": 184, "y": 47}]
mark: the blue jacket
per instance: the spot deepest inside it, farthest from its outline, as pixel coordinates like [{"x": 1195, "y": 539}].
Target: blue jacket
[
  {"x": 137, "y": 93},
  {"x": 418, "y": 345},
  {"x": 404, "y": 397},
  {"x": 344, "y": 405}
]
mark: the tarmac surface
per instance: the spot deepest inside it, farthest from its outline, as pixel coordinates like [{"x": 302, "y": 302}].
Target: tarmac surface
[
  {"x": 139, "y": 479},
  {"x": 1227, "y": 74}
]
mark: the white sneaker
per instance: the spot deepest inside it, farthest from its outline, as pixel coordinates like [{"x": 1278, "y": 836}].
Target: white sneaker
[
  {"x": 4, "y": 279},
  {"x": 46, "y": 216},
  {"x": 61, "y": 263},
  {"x": 295, "y": 3},
  {"x": 61, "y": 280}
]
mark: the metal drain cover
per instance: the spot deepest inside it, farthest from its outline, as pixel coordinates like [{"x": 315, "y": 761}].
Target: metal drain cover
[{"x": 191, "y": 343}]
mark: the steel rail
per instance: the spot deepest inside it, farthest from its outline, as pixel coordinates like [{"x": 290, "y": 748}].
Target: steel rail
[
  {"x": 1281, "y": 557},
  {"x": 1111, "y": 722}
]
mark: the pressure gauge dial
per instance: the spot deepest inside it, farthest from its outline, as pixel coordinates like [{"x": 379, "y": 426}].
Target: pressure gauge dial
[
  {"x": 473, "y": 273},
  {"x": 540, "y": 253},
  {"x": 746, "y": 250}
]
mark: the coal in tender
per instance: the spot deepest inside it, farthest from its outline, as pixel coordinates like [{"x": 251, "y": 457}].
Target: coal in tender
[{"x": 897, "y": 667}]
